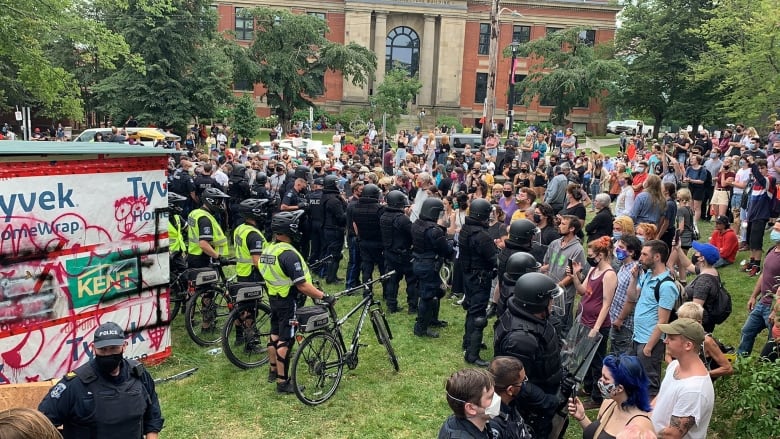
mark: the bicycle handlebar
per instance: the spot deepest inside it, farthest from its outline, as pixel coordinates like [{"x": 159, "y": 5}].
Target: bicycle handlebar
[
  {"x": 316, "y": 264},
  {"x": 365, "y": 285}
]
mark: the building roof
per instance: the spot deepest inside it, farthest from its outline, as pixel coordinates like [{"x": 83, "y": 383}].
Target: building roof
[{"x": 22, "y": 148}]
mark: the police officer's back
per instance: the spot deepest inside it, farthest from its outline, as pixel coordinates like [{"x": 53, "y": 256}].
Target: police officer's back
[
  {"x": 316, "y": 219},
  {"x": 108, "y": 397},
  {"x": 334, "y": 214},
  {"x": 365, "y": 217},
  {"x": 238, "y": 191},
  {"x": 518, "y": 264},
  {"x": 396, "y": 230},
  {"x": 205, "y": 181},
  {"x": 248, "y": 240},
  {"x": 206, "y": 239}
]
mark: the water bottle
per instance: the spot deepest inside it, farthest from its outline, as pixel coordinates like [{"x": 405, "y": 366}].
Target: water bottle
[{"x": 215, "y": 351}]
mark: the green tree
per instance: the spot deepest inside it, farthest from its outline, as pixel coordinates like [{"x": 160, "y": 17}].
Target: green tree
[
  {"x": 290, "y": 56},
  {"x": 30, "y": 73},
  {"x": 243, "y": 118},
  {"x": 395, "y": 92},
  {"x": 658, "y": 45},
  {"x": 567, "y": 72},
  {"x": 742, "y": 58},
  {"x": 188, "y": 72}
]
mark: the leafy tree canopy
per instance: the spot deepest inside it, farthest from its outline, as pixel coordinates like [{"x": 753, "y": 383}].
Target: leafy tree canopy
[
  {"x": 569, "y": 72},
  {"x": 243, "y": 118},
  {"x": 396, "y": 91}
]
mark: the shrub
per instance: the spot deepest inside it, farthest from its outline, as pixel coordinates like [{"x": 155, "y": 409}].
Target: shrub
[
  {"x": 450, "y": 121},
  {"x": 747, "y": 402}
]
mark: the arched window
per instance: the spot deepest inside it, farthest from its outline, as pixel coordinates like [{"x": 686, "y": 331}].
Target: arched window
[{"x": 403, "y": 47}]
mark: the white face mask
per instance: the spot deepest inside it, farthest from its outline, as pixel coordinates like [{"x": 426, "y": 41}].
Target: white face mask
[{"x": 494, "y": 409}]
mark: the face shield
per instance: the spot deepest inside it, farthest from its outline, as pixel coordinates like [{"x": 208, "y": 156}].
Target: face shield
[{"x": 558, "y": 303}]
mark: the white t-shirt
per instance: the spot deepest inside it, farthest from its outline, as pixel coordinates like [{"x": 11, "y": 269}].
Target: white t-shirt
[
  {"x": 743, "y": 175},
  {"x": 693, "y": 396}
]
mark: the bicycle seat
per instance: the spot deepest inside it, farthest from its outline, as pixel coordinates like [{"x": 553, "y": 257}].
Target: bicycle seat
[
  {"x": 247, "y": 290},
  {"x": 203, "y": 276},
  {"x": 311, "y": 318}
]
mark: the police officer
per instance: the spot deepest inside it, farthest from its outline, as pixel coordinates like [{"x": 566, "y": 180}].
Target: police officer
[
  {"x": 354, "y": 263},
  {"x": 396, "y": 230},
  {"x": 334, "y": 213},
  {"x": 238, "y": 190},
  {"x": 525, "y": 332},
  {"x": 518, "y": 264},
  {"x": 206, "y": 240},
  {"x": 177, "y": 228},
  {"x": 286, "y": 275},
  {"x": 108, "y": 397},
  {"x": 205, "y": 181},
  {"x": 365, "y": 218},
  {"x": 477, "y": 258},
  {"x": 520, "y": 239},
  {"x": 180, "y": 182},
  {"x": 294, "y": 199},
  {"x": 429, "y": 247},
  {"x": 248, "y": 240},
  {"x": 316, "y": 220}
]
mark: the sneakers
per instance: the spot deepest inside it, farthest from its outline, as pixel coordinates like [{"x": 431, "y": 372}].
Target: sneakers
[
  {"x": 285, "y": 387},
  {"x": 755, "y": 270}
]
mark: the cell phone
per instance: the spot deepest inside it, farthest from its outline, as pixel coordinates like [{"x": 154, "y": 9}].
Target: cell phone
[
  {"x": 677, "y": 235},
  {"x": 571, "y": 266}
]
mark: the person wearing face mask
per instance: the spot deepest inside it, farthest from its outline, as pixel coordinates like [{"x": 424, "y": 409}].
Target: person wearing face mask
[
  {"x": 713, "y": 165},
  {"x": 510, "y": 379},
  {"x": 704, "y": 288},
  {"x": 621, "y": 312},
  {"x": 507, "y": 203},
  {"x": 623, "y": 386},
  {"x": 108, "y": 397},
  {"x": 622, "y": 226},
  {"x": 474, "y": 402},
  {"x": 525, "y": 332},
  {"x": 639, "y": 176}
]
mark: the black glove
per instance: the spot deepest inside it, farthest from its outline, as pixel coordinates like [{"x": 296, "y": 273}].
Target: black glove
[
  {"x": 494, "y": 273},
  {"x": 568, "y": 386},
  {"x": 223, "y": 261},
  {"x": 303, "y": 204},
  {"x": 328, "y": 299}
]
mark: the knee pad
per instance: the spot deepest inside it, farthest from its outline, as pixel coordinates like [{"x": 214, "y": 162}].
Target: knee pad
[{"x": 480, "y": 322}]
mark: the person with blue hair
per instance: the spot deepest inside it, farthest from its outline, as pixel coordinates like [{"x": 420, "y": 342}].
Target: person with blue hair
[{"x": 624, "y": 386}]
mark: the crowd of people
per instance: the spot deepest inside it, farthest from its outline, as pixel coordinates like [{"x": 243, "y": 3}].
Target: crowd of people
[{"x": 523, "y": 229}]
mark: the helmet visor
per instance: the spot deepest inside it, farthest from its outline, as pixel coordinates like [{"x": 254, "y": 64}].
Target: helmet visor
[{"x": 558, "y": 302}]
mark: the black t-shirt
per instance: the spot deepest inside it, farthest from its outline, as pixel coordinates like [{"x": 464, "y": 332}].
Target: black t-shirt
[
  {"x": 292, "y": 267},
  {"x": 255, "y": 242},
  {"x": 291, "y": 198}
]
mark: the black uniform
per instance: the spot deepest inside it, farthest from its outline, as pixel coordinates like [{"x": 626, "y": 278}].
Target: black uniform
[
  {"x": 366, "y": 216},
  {"x": 460, "y": 428},
  {"x": 334, "y": 212},
  {"x": 203, "y": 182},
  {"x": 88, "y": 404},
  {"x": 295, "y": 198},
  {"x": 477, "y": 258},
  {"x": 315, "y": 225},
  {"x": 510, "y": 425},
  {"x": 397, "y": 242},
  {"x": 534, "y": 342},
  {"x": 429, "y": 247},
  {"x": 180, "y": 182},
  {"x": 238, "y": 190}
]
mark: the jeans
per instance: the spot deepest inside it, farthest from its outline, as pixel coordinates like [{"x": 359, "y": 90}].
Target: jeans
[
  {"x": 757, "y": 321},
  {"x": 651, "y": 364},
  {"x": 353, "y": 266},
  {"x": 620, "y": 340}
]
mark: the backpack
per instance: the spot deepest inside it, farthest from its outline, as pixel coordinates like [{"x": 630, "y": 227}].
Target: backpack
[
  {"x": 720, "y": 309},
  {"x": 679, "y": 299}
]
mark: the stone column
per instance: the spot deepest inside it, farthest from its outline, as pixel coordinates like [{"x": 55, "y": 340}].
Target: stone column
[
  {"x": 426, "y": 61},
  {"x": 357, "y": 28},
  {"x": 380, "y": 45}
]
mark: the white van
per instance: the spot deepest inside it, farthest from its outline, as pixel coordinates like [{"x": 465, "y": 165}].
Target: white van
[{"x": 89, "y": 134}]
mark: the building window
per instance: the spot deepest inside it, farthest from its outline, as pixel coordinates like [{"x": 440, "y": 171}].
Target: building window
[
  {"x": 245, "y": 25},
  {"x": 546, "y": 101},
  {"x": 518, "y": 95},
  {"x": 320, "y": 84},
  {"x": 402, "y": 48},
  {"x": 243, "y": 85},
  {"x": 480, "y": 91},
  {"x": 484, "y": 39},
  {"x": 552, "y": 30},
  {"x": 521, "y": 34},
  {"x": 588, "y": 37},
  {"x": 319, "y": 15}
]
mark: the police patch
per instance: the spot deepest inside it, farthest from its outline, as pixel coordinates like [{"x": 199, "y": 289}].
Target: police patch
[
  {"x": 297, "y": 266},
  {"x": 56, "y": 392},
  {"x": 207, "y": 230}
]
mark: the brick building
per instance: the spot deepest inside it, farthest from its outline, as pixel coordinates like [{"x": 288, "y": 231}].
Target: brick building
[{"x": 446, "y": 42}]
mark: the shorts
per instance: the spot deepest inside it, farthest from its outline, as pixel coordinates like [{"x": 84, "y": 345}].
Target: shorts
[
  {"x": 282, "y": 311},
  {"x": 736, "y": 201},
  {"x": 756, "y": 238},
  {"x": 697, "y": 192},
  {"x": 720, "y": 198},
  {"x": 492, "y": 152}
]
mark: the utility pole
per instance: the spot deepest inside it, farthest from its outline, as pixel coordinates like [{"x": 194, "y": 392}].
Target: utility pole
[
  {"x": 511, "y": 99},
  {"x": 492, "y": 66}
]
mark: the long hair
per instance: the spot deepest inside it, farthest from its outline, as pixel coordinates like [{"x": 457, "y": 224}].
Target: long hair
[
  {"x": 654, "y": 189},
  {"x": 628, "y": 372}
]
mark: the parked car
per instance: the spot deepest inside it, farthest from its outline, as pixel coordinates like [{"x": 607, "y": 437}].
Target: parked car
[
  {"x": 632, "y": 126},
  {"x": 613, "y": 126}
]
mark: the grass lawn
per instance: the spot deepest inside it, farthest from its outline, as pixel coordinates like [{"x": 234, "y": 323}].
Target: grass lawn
[{"x": 221, "y": 401}]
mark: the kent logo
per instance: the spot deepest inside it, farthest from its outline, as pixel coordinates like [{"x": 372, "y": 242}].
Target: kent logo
[
  {"x": 141, "y": 188},
  {"x": 29, "y": 201}
]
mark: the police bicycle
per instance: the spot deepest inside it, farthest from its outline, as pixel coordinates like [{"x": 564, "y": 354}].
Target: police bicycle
[
  {"x": 318, "y": 363},
  {"x": 250, "y": 320}
]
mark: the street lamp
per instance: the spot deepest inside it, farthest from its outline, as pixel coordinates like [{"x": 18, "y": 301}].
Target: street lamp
[
  {"x": 495, "y": 28},
  {"x": 511, "y": 99}
]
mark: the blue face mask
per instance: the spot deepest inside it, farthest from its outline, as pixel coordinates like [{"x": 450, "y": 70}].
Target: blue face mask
[
  {"x": 774, "y": 236},
  {"x": 617, "y": 235},
  {"x": 641, "y": 239},
  {"x": 621, "y": 254}
]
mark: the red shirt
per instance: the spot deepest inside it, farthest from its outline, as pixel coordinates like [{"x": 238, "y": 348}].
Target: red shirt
[
  {"x": 726, "y": 242},
  {"x": 638, "y": 180},
  {"x": 349, "y": 148}
]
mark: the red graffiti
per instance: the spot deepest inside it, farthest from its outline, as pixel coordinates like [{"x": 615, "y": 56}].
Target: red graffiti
[{"x": 129, "y": 213}]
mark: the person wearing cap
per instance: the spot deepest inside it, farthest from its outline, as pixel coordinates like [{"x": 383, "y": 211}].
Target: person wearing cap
[
  {"x": 704, "y": 288},
  {"x": 725, "y": 240},
  {"x": 107, "y": 397},
  {"x": 684, "y": 404}
]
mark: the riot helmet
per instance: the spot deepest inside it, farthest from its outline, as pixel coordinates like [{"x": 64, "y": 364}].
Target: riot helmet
[
  {"x": 288, "y": 223},
  {"x": 533, "y": 292},
  {"x": 261, "y": 178},
  {"x": 371, "y": 191},
  {"x": 480, "y": 210},
  {"x": 397, "y": 200},
  {"x": 519, "y": 264},
  {"x": 253, "y": 208},
  {"x": 238, "y": 172},
  {"x": 175, "y": 202},
  {"x": 522, "y": 231},
  {"x": 431, "y": 209},
  {"x": 214, "y": 199},
  {"x": 331, "y": 183},
  {"x": 302, "y": 172}
]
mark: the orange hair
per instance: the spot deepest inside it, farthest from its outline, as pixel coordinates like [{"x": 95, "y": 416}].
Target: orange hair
[{"x": 602, "y": 245}]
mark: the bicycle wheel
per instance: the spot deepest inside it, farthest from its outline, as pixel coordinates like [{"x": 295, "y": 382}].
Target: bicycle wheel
[
  {"x": 317, "y": 368},
  {"x": 383, "y": 335},
  {"x": 205, "y": 315},
  {"x": 245, "y": 334}
]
